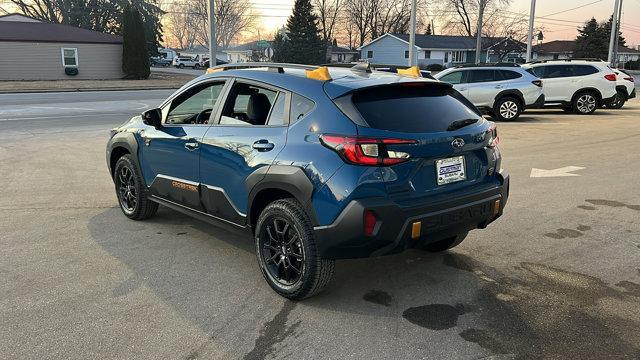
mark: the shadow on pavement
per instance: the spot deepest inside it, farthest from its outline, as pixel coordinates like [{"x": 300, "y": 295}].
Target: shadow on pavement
[{"x": 211, "y": 278}]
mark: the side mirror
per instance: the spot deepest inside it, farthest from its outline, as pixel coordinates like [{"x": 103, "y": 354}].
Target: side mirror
[{"x": 152, "y": 117}]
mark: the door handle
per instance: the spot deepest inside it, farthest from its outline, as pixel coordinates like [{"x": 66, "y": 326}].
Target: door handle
[
  {"x": 191, "y": 145},
  {"x": 263, "y": 145},
  {"x": 498, "y": 86},
  {"x": 462, "y": 89}
]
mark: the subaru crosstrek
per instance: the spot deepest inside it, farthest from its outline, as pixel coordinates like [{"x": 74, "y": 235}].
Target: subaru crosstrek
[{"x": 316, "y": 164}]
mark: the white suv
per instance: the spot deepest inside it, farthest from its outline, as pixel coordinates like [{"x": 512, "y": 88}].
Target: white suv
[
  {"x": 502, "y": 91},
  {"x": 182, "y": 61},
  {"x": 625, "y": 87},
  {"x": 580, "y": 86}
]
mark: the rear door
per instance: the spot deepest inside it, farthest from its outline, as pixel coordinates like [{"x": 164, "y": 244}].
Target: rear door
[
  {"x": 247, "y": 135},
  {"x": 425, "y": 113},
  {"x": 483, "y": 86},
  {"x": 459, "y": 81},
  {"x": 559, "y": 82}
]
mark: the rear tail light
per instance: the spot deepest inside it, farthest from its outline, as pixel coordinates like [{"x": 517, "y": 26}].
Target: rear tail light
[
  {"x": 492, "y": 136},
  {"x": 610, "y": 77},
  {"x": 366, "y": 151},
  {"x": 369, "y": 222},
  {"x": 537, "y": 83}
]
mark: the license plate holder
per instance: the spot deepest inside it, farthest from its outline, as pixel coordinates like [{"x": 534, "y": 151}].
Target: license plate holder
[{"x": 450, "y": 170}]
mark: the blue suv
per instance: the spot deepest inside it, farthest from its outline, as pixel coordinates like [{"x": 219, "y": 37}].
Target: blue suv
[{"x": 315, "y": 163}]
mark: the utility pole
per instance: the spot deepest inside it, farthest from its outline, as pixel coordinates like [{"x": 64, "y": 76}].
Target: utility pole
[
  {"x": 532, "y": 14},
  {"x": 614, "y": 31},
  {"x": 412, "y": 35},
  {"x": 212, "y": 34},
  {"x": 479, "y": 31},
  {"x": 615, "y": 46}
]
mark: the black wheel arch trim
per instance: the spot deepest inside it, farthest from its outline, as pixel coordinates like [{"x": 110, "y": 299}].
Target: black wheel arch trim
[
  {"x": 623, "y": 89},
  {"x": 289, "y": 178},
  {"x": 127, "y": 141},
  {"x": 588, "y": 89}
]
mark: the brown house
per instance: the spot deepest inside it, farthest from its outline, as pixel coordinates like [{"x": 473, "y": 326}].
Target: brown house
[{"x": 36, "y": 50}]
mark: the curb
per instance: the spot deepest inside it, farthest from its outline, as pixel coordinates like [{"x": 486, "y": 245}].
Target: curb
[{"x": 86, "y": 90}]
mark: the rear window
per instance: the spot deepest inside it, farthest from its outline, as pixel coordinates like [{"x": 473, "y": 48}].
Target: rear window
[
  {"x": 582, "y": 70},
  {"x": 412, "y": 108},
  {"x": 509, "y": 75}
]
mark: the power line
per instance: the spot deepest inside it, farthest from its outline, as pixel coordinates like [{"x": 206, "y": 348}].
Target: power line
[{"x": 574, "y": 8}]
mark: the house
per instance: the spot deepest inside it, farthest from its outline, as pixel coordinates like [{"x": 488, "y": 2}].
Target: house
[
  {"x": 563, "y": 49},
  {"x": 338, "y": 54},
  {"x": 447, "y": 50},
  {"x": 260, "y": 50},
  {"x": 36, "y": 50}
]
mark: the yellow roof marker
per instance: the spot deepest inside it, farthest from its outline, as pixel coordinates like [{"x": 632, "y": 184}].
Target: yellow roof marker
[
  {"x": 321, "y": 73},
  {"x": 212, "y": 70},
  {"x": 413, "y": 71}
]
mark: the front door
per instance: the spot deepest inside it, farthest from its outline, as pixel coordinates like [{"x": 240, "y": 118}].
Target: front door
[
  {"x": 170, "y": 155},
  {"x": 249, "y": 134}
]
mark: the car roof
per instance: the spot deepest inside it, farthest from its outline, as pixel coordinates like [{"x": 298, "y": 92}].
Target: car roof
[{"x": 343, "y": 81}]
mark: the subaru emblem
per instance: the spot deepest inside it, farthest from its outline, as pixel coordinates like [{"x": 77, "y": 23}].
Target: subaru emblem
[{"x": 457, "y": 143}]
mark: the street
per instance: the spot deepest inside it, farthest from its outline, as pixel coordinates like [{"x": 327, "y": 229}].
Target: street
[{"x": 558, "y": 276}]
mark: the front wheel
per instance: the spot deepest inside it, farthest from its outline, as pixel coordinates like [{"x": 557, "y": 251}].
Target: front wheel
[
  {"x": 181, "y": 66},
  {"x": 196, "y": 66},
  {"x": 131, "y": 191},
  {"x": 618, "y": 101},
  {"x": 507, "y": 109},
  {"x": 287, "y": 252},
  {"x": 444, "y": 244},
  {"x": 585, "y": 103}
]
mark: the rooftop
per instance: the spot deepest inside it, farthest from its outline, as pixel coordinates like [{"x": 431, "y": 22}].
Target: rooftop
[{"x": 29, "y": 31}]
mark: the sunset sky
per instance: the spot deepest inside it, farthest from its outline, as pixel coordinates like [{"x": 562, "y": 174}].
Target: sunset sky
[{"x": 561, "y": 26}]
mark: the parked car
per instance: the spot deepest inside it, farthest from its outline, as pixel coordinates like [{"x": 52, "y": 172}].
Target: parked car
[
  {"x": 502, "y": 91},
  {"x": 625, "y": 89},
  {"x": 185, "y": 61},
  {"x": 576, "y": 85},
  {"x": 314, "y": 168},
  {"x": 205, "y": 64},
  {"x": 159, "y": 61}
]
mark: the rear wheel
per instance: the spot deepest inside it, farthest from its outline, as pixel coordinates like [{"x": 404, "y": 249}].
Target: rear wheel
[
  {"x": 585, "y": 103},
  {"x": 618, "y": 101},
  {"x": 507, "y": 108},
  {"x": 181, "y": 66},
  {"x": 196, "y": 66},
  {"x": 445, "y": 244},
  {"x": 287, "y": 252},
  {"x": 131, "y": 191}
]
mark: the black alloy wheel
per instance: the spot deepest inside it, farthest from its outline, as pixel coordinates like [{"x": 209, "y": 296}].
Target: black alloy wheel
[
  {"x": 131, "y": 191},
  {"x": 282, "y": 251},
  {"x": 618, "y": 101}
]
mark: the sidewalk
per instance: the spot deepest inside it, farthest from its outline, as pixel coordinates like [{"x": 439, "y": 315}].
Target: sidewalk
[{"x": 155, "y": 81}]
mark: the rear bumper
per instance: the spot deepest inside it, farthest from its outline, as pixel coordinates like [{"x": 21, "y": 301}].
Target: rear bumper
[
  {"x": 345, "y": 239},
  {"x": 539, "y": 103}
]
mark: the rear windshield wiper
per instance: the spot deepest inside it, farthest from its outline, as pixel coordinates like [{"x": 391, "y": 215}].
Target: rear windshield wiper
[{"x": 458, "y": 124}]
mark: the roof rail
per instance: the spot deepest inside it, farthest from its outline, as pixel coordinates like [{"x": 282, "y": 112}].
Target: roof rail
[
  {"x": 565, "y": 60},
  {"x": 278, "y": 67},
  {"x": 497, "y": 64}
]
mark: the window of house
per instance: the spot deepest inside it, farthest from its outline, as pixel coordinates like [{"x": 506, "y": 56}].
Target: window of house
[
  {"x": 369, "y": 54},
  {"x": 69, "y": 57},
  {"x": 406, "y": 54},
  {"x": 195, "y": 105},
  {"x": 427, "y": 54},
  {"x": 457, "y": 56}
]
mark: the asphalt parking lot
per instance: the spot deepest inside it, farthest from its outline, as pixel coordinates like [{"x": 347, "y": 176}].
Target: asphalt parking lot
[{"x": 558, "y": 276}]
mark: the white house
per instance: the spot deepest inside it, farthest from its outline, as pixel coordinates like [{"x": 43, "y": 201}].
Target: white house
[
  {"x": 563, "y": 49},
  {"x": 447, "y": 50}
]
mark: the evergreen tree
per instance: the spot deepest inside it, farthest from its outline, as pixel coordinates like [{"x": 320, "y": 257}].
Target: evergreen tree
[
  {"x": 428, "y": 31},
  {"x": 281, "y": 47},
  {"x": 303, "y": 44},
  {"x": 593, "y": 40},
  {"x": 135, "y": 57}
]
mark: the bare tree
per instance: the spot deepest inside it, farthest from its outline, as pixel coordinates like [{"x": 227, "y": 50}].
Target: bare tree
[
  {"x": 182, "y": 26},
  {"x": 461, "y": 16},
  {"x": 360, "y": 15},
  {"x": 232, "y": 18},
  {"x": 328, "y": 12}
]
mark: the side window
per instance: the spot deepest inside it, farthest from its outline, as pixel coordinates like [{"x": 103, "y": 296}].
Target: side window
[
  {"x": 453, "y": 78},
  {"x": 300, "y": 107},
  {"x": 277, "y": 113},
  {"x": 509, "y": 75},
  {"x": 583, "y": 70},
  {"x": 195, "y": 105},
  {"x": 478, "y": 76},
  {"x": 556, "y": 71},
  {"x": 537, "y": 71},
  {"x": 248, "y": 105}
]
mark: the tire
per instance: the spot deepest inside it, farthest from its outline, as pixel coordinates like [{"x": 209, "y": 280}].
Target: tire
[
  {"x": 445, "y": 244},
  {"x": 618, "y": 101},
  {"x": 507, "y": 108},
  {"x": 584, "y": 103},
  {"x": 131, "y": 190},
  {"x": 181, "y": 66},
  {"x": 284, "y": 242},
  {"x": 196, "y": 66}
]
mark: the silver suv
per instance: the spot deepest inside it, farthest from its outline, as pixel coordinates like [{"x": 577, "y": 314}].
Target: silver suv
[{"x": 502, "y": 91}]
